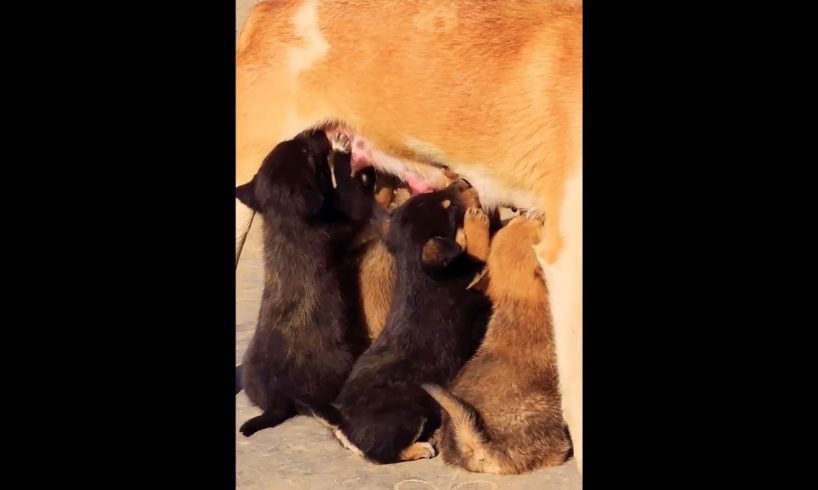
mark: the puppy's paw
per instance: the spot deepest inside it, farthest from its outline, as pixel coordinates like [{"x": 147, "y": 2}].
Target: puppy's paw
[
  {"x": 341, "y": 142},
  {"x": 429, "y": 448},
  {"x": 418, "y": 450},
  {"x": 543, "y": 250},
  {"x": 434, "y": 439},
  {"x": 251, "y": 427},
  {"x": 476, "y": 217},
  {"x": 476, "y": 231}
]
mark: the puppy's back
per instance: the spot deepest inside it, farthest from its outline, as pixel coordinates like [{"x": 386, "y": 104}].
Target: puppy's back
[{"x": 503, "y": 412}]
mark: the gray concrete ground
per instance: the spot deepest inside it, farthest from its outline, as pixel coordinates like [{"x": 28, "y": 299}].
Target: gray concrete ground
[{"x": 301, "y": 454}]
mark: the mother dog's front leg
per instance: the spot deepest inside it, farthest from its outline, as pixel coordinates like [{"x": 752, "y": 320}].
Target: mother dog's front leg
[{"x": 563, "y": 274}]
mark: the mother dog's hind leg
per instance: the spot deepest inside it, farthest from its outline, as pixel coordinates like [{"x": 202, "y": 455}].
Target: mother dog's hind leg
[{"x": 563, "y": 275}]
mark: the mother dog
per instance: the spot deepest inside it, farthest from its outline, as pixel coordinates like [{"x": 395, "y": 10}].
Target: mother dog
[{"x": 489, "y": 90}]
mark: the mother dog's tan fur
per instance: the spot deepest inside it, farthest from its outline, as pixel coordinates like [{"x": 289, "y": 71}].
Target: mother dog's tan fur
[{"x": 492, "y": 90}]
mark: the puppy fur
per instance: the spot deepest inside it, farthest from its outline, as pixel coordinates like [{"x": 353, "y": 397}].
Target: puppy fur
[
  {"x": 434, "y": 326},
  {"x": 309, "y": 333},
  {"x": 376, "y": 266},
  {"x": 502, "y": 412},
  {"x": 376, "y": 280}
]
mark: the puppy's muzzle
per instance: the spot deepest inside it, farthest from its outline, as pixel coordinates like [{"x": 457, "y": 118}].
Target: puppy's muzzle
[{"x": 466, "y": 194}]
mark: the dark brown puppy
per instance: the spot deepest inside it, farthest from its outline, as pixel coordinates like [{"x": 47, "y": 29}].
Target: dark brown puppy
[
  {"x": 503, "y": 411},
  {"x": 434, "y": 326},
  {"x": 309, "y": 332}
]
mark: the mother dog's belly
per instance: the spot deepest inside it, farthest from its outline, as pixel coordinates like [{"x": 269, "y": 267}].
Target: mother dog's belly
[{"x": 425, "y": 176}]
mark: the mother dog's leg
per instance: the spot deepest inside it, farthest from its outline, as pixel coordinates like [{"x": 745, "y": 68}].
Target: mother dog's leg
[{"x": 563, "y": 274}]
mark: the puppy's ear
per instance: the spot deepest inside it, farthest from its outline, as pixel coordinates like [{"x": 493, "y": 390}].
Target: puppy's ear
[
  {"x": 247, "y": 195},
  {"x": 313, "y": 203},
  {"x": 439, "y": 252}
]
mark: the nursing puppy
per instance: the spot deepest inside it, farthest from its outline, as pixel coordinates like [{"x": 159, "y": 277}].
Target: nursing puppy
[
  {"x": 503, "y": 410},
  {"x": 434, "y": 326},
  {"x": 308, "y": 333},
  {"x": 375, "y": 264},
  {"x": 376, "y": 279}
]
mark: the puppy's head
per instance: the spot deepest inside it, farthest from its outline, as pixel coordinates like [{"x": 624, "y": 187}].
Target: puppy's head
[
  {"x": 426, "y": 227},
  {"x": 513, "y": 269},
  {"x": 295, "y": 177}
]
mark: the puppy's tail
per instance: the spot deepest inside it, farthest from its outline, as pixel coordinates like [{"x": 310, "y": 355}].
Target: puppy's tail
[{"x": 466, "y": 421}]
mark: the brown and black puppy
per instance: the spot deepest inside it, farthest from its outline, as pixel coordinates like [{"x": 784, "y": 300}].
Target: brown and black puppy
[
  {"x": 377, "y": 265},
  {"x": 434, "y": 326},
  {"x": 503, "y": 411},
  {"x": 309, "y": 332}
]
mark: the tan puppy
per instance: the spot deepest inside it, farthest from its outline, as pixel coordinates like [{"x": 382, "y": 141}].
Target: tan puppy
[
  {"x": 376, "y": 278},
  {"x": 503, "y": 410},
  {"x": 494, "y": 94}
]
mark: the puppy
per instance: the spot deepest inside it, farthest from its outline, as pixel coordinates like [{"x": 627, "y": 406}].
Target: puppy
[
  {"x": 377, "y": 274},
  {"x": 503, "y": 410},
  {"x": 308, "y": 333},
  {"x": 434, "y": 326},
  {"x": 376, "y": 279},
  {"x": 375, "y": 265}
]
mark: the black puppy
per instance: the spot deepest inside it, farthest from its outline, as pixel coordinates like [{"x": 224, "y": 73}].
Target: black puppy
[
  {"x": 309, "y": 332},
  {"x": 434, "y": 326}
]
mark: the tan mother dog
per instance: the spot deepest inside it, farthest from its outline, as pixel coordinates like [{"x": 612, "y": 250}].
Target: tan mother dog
[{"x": 489, "y": 90}]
